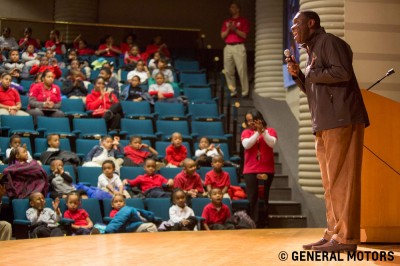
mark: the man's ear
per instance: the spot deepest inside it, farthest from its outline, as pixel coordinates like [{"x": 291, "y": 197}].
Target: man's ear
[{"x": 311, "y": 23}]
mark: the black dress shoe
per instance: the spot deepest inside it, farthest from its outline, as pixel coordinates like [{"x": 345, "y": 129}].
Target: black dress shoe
[
  {"x": 334, "y": 246},
  {"x": 318, "y": 243}
]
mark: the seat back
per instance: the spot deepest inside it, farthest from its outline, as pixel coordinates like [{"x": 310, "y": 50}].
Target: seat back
[
  {"x": 90, "y": 127},
  {"x": 18, "y": 124},
  {"x": 142, "y": 128},
  {"x": 167, "y": 128},
  {"x": 203, "y": 111},
  {"x": 92, "y": 207},
  {"x": 162, "y": 145},
  {"x": 159, "y": 206},
  {"x": 193, "y": 78},
  {"x": 128, "y": 172},
  {"x": 170, "y": 111},
  {"x": 24, "y": 101},
  {"x": 70, "y": 106},
  {"x": 170, "y": 173},
  {"x": 89, "y": 175},
  {"x": 214, "y": 129},
  {"x": 186, "y": 65},
  {"x": 198, "y": 94},
  {"x": 58, "y": 125},
  {"x": 137, "y": 110}
]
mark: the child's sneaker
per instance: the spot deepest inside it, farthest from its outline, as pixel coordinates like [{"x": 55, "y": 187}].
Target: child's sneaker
[{"x": 94, "y": 231}]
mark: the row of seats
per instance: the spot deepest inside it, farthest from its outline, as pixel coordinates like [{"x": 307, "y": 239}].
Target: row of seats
[
  {"x": 89, "y": 175},
  {"x": 91, "y": 127},
  {"x": 99, "y": 210}
]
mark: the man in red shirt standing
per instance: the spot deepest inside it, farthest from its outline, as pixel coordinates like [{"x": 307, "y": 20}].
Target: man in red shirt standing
[{"x": 234, "y": 32}]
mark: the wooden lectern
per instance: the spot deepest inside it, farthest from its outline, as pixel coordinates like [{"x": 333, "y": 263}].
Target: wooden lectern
[{"x": 380, "y": 185}]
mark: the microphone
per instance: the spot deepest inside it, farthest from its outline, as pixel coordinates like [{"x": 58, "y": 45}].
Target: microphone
[
  {"x": 287, "y": 54},
  {"x": 390, "y": 72}
]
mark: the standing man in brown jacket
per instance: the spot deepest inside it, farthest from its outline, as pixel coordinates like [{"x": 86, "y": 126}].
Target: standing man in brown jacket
[{"x": 338, "y": 119}]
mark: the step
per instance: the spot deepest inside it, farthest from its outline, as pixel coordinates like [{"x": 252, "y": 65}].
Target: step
[
  {"x": 276, "y": 207},
  {"x": 280, "y": 193},
  {"x": 287, "y": 221},
  {"x": 284, "y": 207}
]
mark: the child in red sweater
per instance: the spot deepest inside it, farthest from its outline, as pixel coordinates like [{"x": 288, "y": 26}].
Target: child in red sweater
[
  {"x": 151, "y": 183},
  {"x": 44, "y": 65},
  {"x": 217, "y": 178},
  {"x": 176, "y": 152},
  {"x": 82, "y": 225},
  {"x": 189, "y": 180},
  {"x": 216, "y": 213},
  {"x": 137, "y": 152}
]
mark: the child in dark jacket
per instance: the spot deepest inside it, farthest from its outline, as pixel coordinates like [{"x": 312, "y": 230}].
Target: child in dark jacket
[{"x": 109, "y": 149}]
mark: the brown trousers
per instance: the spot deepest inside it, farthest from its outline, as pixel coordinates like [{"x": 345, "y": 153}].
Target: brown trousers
[{"x": 339, "y": 152}]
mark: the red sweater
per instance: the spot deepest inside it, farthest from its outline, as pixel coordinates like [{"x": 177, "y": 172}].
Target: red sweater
[
  {"x": 41, "y": 94},
  {"x": 40, "y": 69},
  {"x": 175, "y": 155},
  {"x": 136, "y": 156},
  {"x": 186, "y": 182},
  {"x": 147, "y": 182},
  {"x": 94, "y": 102}
]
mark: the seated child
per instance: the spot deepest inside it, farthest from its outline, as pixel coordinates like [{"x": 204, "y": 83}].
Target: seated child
[
  {"x": 176, "y": 152},
  {"x": 60, "y": 181},
  {"x": 30, "y": 57},
  {"x": 129, "y": 219},
  {"x": 46, "y": 65},
  {"x": 132, "y": 56},
  {"x": 82, "y": 225},
  {"x": 207, "y": 151},
  {"x": 216, "y": 213},
  {"x": 154, "y": 61},
  {"x": 107, "y": 150},
  {"x": 189, "y": 180},
  {"x": 133, "y": 92},
  {"x": 217, "y": 178},
  {"x": 53, "y": 152},
  {"x": 161, "y": 90},
  {"x": 151, "y": 183},
  {"x": 109, "y": 181},
  {"x": 137, "y": 152},
  {"x": 15, "y": 142},
  {"x": 162, "y": 67},
  {"x": 141, "y": 71},
  {"x": 181, "y": 217},
  {"x": 24, "y": 177},
  {"x": 14, "y": 66},
  {"x": 44, "y": 220}
]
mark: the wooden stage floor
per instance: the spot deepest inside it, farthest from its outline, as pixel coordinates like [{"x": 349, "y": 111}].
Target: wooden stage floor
[{"x": 242, "y": 247}]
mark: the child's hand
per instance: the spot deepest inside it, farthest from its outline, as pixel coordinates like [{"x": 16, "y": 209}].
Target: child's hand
[
  {"x": 218, "y": 148},
  {"x": 55, "y": 204},
  {"x": 211, "y": 147},
  {"x": 170, "y": 183},
  {"x": 144, "y": 145},
  {"x": 185, "y": 222},
  {"x": 125, "y": 182}
]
